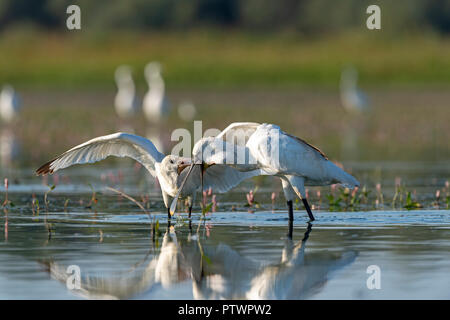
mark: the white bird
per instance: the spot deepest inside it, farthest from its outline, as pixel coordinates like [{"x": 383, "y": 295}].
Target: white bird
[
  {"x": 155, "y": 104},
  {"x": 169, "y": 170},
  {"x": 265, "y": 148},
  {"x": 9, "y": 103},
  {"x": 353, "y": 100},
  {"x": 9, "y": 148},
  {"x": 187, "y": 111},
  {"x": 126, "y": 101}
]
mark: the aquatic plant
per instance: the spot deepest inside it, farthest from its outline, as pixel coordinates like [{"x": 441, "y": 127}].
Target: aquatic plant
[
  {"x": 206, "y": 208},
  {"x": 131, "y": 199},
  {"x": 94, "y": 199},
  {"x": 334, "y": 202},
  {"x": 34, "y": 204},
  {"x": 410, "y": 203},
  {"x": 7, "y": 201},
  {"x": 251, "y": 202},
  {"x": 46, "y": 202}
]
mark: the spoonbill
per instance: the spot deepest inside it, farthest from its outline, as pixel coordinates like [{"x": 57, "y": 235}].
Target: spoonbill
[
  {"x": 126, "y": 101},
  {"x": 266, "y": 149},
  {"x": 155, "y": 104},
  {"x": 353, "y": 100},
  {"x": 169, "y": 170},
  {"x": 9, "y": 104}
]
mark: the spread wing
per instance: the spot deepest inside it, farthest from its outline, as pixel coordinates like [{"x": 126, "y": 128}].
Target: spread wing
[
  {"x": 116, "y": 144},
  {"x": 238, "y": 132}
]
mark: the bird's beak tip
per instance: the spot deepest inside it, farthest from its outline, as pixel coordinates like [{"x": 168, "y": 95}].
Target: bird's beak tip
[{"x": 181, "y": 167}]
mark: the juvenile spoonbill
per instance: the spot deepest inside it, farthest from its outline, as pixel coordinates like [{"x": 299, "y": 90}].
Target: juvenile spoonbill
[
  {"x": 169, "y": 170},
  {"x": 9, "y": 104},
  {"x": 353, "y": 100},
  {"x": 250, "y": 147},
  {"x": 126, "y": 101},
  {"x": 155, "y": 104}
]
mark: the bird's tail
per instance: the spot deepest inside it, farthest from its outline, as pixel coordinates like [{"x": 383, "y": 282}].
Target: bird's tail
[{"x": 340, "y": 176}]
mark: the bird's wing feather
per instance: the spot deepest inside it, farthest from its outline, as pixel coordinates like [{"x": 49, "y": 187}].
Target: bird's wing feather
[
  {"x": 239, "y": 130},
  {"x": 221, "y": 178},
  {"x": 308, "y": 144},
  {"x": 116, "y": 144}
]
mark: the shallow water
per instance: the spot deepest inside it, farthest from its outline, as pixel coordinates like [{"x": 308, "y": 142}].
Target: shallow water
[{"x": 237, "y": 252}]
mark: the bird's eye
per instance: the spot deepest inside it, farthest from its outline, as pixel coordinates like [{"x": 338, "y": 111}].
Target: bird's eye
[{"x": 171, "y": 161}]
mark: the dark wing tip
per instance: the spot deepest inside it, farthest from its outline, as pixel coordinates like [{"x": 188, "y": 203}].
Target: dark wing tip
[
  {"x": 311, "y": 146},
  {"x": 44, "y": 169}
]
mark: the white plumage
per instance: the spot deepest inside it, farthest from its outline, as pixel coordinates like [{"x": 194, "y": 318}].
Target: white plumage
[
  {"x": 353, "y": 100},
  {"x": 187, "y": 111},
  {"x": 155, "y": 104},
  {"x": 126, "y": 101},
  {"x": 267, "y": 150},
  {"x": 168, "y": 169},
  {"x": 9, "y": 104}
]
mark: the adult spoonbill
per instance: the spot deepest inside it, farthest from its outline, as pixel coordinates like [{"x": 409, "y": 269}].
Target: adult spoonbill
[
  {"x": 353, "y": 100},
  {"x": 126, "y": 101},
  {"x": 169, "y": 170},
  {"x": 250, "y": 147},
  {"x": 155, "y": 104},
  {"x": 9, "y": 104}
]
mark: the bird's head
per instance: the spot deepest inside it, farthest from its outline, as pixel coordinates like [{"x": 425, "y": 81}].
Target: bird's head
[
  {"x": 172, "y": 164},
  {"x": 209, "y": 150}
]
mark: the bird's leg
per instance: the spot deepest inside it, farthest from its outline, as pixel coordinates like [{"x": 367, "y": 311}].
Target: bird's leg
[
  {"x": 202, "y": 168},
  {"x": 298, "y": 184},
  {"x": 291, "y": 219},
  {"x": 190, "y": 220},
  {"x": 169, "y": 216},
  {"x": 190, "y": 212},
  {"x": 308, "y": 209}
]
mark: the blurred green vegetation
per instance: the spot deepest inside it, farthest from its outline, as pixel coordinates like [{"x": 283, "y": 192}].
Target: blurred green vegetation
[
  {"x": 225, "y": 43},
  {"x": 222, "y": 59}
]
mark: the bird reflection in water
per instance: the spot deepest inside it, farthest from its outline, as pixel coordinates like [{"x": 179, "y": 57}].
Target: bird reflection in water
[{"x": 216, "y": 272}]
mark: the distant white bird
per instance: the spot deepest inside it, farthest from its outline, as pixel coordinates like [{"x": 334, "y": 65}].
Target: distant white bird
[
  {"x": 126, "y": 101},
  {"x": 9, "y": 104},
  {"x": 9, "y": 147},
  {"x": 187, "y": 111},
  {"x": 169, "y": 170},
  {"x": 353, "y": 100},
  {"x": 250, "y": 147},
  {"x": 155, "y": 104}
]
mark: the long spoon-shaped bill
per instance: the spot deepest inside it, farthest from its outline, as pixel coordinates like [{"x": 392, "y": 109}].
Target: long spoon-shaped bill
[{"x": 173, "y": 205}]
